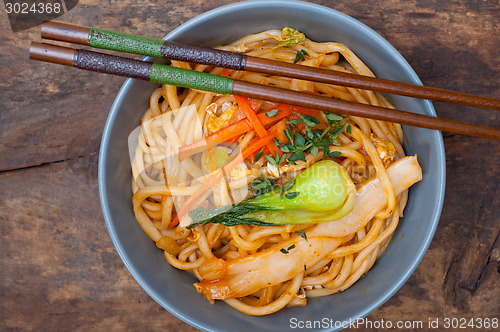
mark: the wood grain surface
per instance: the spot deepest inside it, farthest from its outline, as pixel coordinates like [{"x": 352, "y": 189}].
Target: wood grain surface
[{"x": 58, "y": 268}]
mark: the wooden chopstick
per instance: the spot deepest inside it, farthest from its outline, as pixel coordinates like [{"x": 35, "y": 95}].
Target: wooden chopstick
[
  {"x": 183, "y": 52},
  {"x": 115, "y": 65}
]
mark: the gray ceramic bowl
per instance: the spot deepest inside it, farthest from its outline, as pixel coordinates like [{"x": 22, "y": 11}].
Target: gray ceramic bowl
[{"x": 173, "y": 289}]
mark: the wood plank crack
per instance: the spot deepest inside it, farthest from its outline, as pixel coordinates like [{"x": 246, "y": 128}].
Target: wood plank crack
[{"x": 4, "y": 171}]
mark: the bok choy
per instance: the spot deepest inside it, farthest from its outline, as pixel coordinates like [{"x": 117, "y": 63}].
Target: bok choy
[{"x": 323, "y": 192}]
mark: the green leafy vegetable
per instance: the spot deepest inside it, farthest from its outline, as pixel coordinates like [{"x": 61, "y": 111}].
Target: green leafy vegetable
[
  {"x": 285, "y": 251},
  {"x": 334, "y": 154},
  {"x": 262, "y": 185},
  {"x": 289, "y": 185},
  {"x": 276, "y": 161},
  {"x": 333, "y": 117},
  {"x": 326, "y": 193},
  {"x": 314, "y": 150},
  {"x": 300, "y": 56},
  {"x": 313, "y": 139},
  {"x": 286, "y": 187},
  {"x": 310, "y": 121},
  {"x": 303, "y": 234},
  {"x": 290, "y": 37},
  {"x": 272, "y": 113},
  {"x": 272, "y": 160},
  {"x": 227, "y": 216},
  {"x": 258, "y": 155},
  {"x": 299, "y": 139}
]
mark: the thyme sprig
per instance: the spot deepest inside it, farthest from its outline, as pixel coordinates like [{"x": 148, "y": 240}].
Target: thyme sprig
[
  {"x": 303, "y": 234},
  {"x": 276, "y": 161},
  {"x": 258, "y": 155},
  {"x": 272, "y": 113},
  {"x": 300, "y": 56},
  {"x": 262, "y": 185},
  {"x": 287, "y": 187},
  {"x": 287, "y": 250},
  {"x": 312, "y": 139}
]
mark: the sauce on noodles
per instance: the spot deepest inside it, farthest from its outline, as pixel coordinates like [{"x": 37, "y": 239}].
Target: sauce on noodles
[{"x": 260, "y": 269}]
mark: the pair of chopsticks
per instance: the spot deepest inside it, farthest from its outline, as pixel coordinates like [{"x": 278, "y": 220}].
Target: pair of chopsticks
[{"x": 115, "y": 65}]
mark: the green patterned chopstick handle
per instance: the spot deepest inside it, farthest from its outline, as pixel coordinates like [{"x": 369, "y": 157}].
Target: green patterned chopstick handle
[
  {"x": 115, "y": 65},
  {"x": 160, "y": 48},
  {"x": 191, "y": 79},
  {"x": 122, "y": 42}
]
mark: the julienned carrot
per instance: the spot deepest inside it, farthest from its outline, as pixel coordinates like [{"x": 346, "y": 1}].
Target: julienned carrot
[
  {"x": 278, "y": 130},
  {"x": 305, "y": 111},
  {"x": 232, "y": 131},
  {"x": 232, "y": 140},
  {"x": 239, "y": 113},
  {"x": 225, "y": 73},
  {"x": 256, "y": 123},
  {"x": 250, "y": 114},
  {"x": 217, "y": 176},
  {"x": 237, "y": 116}
]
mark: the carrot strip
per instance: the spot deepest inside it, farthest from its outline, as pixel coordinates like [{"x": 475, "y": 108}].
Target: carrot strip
[
  {"x": 256, "y": 104},
  {"x": 256, "y": 123},
  {"x": 232, "y": 140},
  {"x": 232, "y": 131},
  {"x": 225, "y": 73},
  {"x": 174, "y": 221},
  {"x": 217, "y": 176},
  {"x": 237, "y": 116},
  {"x": 305, "y": 111},
  {"x": 250, "y": 114},
  {"x": 278, "y": 131}
]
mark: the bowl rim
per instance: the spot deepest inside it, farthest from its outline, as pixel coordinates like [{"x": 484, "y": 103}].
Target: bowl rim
[{"x": 113, "y": 113}]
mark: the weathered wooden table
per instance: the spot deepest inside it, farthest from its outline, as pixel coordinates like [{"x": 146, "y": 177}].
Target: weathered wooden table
[{"x": 58, "y": 268}]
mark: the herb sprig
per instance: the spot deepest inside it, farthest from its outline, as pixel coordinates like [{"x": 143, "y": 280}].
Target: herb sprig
[
  {"x": 262, "y": 185},
  {"x": 272, "y": 113},
  {"x": 287, "y": 250},
  {"x": 300, "y": 56},
  {"x": 228, "y": 215},
  {"x": 276, "y": 161},
  {"x": 312, "y": 139},
  {"x": 303, "y": 234},
  {"x": 287, "y": 187},
  {"x": 258, "y": 155}
]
